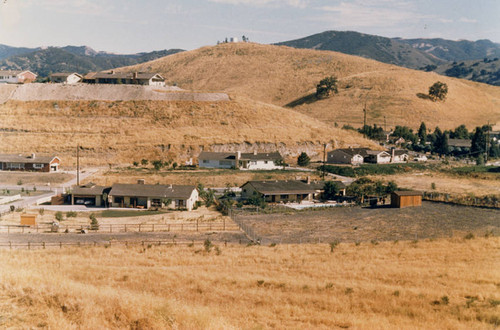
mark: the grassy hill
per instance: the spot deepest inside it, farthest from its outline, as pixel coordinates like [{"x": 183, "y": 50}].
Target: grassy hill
[
  {"x": 484, "y": 70},
  {"x": 286, "y": 76},
  {"x": 127, "y": 131},
  {"x": 378, "y": 48}
]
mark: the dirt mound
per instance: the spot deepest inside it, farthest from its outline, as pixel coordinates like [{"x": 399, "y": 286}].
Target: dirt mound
[{"x": 81, "y": 92}]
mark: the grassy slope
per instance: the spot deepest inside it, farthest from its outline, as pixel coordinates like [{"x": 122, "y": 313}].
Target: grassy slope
[
  {"x": 385, "y": 286},
  {"x": 281, "y": 75},
  {"x": 114, "y": 132}
]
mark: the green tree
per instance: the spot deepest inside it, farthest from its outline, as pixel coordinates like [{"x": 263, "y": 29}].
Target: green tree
[
  {"x": 478, "y": 143},
  {"x": 157, "y": 164},
  {"x": 94, "y": 224},
  {"x": 326, "y": 86},
  {"x": 438, "y": 91},
  {"x": 144, "y": 162},
  {"x": 257, "y": 200},
  {"x": 331, "y": 190},
  {"x": 460, "y": 132},
  {"x": 59, "y": 216},
  {"x": 391, "y": 187},
  {"x": 303, "y": 159},
  {"x": 422, "y": 133}
]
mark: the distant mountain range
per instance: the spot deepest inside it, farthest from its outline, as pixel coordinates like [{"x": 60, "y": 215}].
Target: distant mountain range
[
  {"x": 438, "y": 55},
  {"x": 82, "y": 59}
]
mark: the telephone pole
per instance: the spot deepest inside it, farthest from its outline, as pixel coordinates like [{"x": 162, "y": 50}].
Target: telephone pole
[
  {"x": 364, "y": 120},
  {"x": 77, "y": 165},
  {"x": 487, "y": 144},
  {"x": 324, "y": 160}
]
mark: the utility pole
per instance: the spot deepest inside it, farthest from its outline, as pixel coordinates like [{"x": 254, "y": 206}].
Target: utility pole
[
  {"x": 324, "y": 160},
  {"x": 78, "y": 165},
  {"x": 385, "y": 125},
  {"x": 487, "y": 144},
  {"x": 364, "y": 120}
]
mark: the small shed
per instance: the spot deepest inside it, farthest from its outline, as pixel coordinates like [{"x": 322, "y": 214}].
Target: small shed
[
  {"x": 402, "y": 198},
  {"x": 28, "y": 219}
]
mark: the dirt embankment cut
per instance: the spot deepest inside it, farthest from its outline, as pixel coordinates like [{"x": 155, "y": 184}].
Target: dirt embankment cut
[{"x": 81, "y": 92}]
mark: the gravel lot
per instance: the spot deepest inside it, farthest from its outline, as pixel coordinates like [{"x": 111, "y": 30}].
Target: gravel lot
[{"x": 352, "y": 224}]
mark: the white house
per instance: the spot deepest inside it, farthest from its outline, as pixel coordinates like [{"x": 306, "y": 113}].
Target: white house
[
  {"x": 238, "y": 160},
  {"x": 399, "y": 156},
  {"x": 17, "y": 77},
  {"x": 130, "y": 78},
  {"x": 377, "y": 157},
  {"x": 66, "y": 78}
]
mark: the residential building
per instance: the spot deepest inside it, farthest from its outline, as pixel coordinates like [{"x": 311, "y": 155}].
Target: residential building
[
  {"x": 246, "y": 161},
  {"x": 89, "y": 194},
  {"x": 129, "y": 78},
  {"x": 142, "y": 195},
  {"x": 399, "y": 156},
  {"x": 353, "y": 156},
  {"x": 377, "y": 157},
  {"x": 400, "y": 199},
  {"x": 29, "y": 163},
  {"x": 283, "y": 191},
  {"x": 66, "y": 78},
  {"x": 17, "y": 77},
  {"x": 460, "y": 143}
]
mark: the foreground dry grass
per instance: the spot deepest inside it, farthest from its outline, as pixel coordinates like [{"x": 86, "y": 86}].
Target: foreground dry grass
[
  {"x": 282, "y": 75},
  {"x": 451, "y": 283}
]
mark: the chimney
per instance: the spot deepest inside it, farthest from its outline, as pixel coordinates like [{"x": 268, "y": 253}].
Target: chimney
[
  {"x": 141, "y": 181},
  {"x": 170, "y": 186},
  {"x": 393, "y": 154},
  {"x": 308, "y": 180},
  {"x": 134, "y": 75},
  {"x": 33, "y": 156},
  {"x": 255, "y": 152},
  {"x": 112, "y": 72}
]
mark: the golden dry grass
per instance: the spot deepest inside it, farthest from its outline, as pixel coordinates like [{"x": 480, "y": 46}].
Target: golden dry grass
[
  {"x": 447, "y": 183},
  {"x": 444, "y": 284},
  {"x": 121, "y": 132},
  {"x": 280, "y": 75}
]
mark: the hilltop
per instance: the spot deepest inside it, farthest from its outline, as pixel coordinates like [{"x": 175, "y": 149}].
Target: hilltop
[{"x": 286, "y": 76}]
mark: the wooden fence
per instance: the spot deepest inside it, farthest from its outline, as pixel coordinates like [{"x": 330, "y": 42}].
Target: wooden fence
[
  {"x": 123, "y": 228},
  {"x": 489, "y": 201},
  {"x": 107, "y": 244}
]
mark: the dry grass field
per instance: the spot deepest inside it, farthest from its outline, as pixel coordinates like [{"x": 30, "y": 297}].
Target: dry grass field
[
  {"x": 282, "y": 75},
  {"x": 12, "y": 178},
  {"x": 122, "y": 132},
  {"x": 443, "y": 284}
]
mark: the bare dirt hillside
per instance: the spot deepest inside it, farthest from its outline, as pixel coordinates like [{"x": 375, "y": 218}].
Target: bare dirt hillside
[
  {"x": 287, "y": 77},
  {"x": 123, "y": 132}
]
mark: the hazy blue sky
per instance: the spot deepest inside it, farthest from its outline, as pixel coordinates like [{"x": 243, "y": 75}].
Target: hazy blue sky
[{"x": 128, "y": 26}]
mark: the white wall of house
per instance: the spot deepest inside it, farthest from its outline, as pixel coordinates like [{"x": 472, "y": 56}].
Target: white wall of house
[
  {"x": 152, "y": 82},
  {"x": 383, "y": 158},
  {"x": 340, "y": 157},
  {"x": 262, "y": 165},
  {"x": 73, "y": 79},
  {"x": 9, "y": 79},
  {"x": 400, "y": 158}
]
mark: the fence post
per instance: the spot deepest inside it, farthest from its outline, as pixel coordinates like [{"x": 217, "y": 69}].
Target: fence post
[
  {"x": 223, "y": 224},
  {"x": 110, "y": 228},
  {"x": 60, "y": 245},
  {"x": 125, "y": 227},
  {"x": 43, "y": 244},
  {"x": 196, "y": 224}
]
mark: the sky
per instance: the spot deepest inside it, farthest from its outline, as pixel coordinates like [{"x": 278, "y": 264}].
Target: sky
[{"x": 131, "y": 26}]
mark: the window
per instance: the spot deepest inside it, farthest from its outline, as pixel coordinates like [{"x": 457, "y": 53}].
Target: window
[
  {"x": 205, "y": 161},
  {"x": 284, "y": 197},
  {"x": 265, "y": 162},
  {"x": 226, "y": 163},
  {"x": 38, "y": 166}
]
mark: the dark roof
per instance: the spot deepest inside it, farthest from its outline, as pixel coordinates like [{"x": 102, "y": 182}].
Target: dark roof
[
  {"x": 26, "y": 159},
  {"x": 399, "y": 152},
  {"x": 151, "y": 190},
  {"x": 407, "y": 193},
  {"x": 284, "y": 187},
  {"x": 125, "y": 75},
  {"x": 261, "y": 156},
  {"x": 217, "y": 155},
  {"x": 352, "y": 151},
  {"x": 464, "y": 143},
  {"x": 88, "y": 189}
]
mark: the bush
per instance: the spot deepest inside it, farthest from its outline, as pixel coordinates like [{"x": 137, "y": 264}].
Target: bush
[
  {"x": 303, "y": 159},
  {"x": 94, "y": 224},
  {"x": 333, "y": 245},
  {"x": 207, "y": 245},
  {"x": 59, "y": 216},
  {"x": 70, "y": 214}
]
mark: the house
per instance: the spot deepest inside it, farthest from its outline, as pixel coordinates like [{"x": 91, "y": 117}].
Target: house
[
  {"x": 17, "y": 77},
  {"x": 29, "y": 163},
  {"x": 129, "y": 78},
  {"x": 353, "y": 156},
  {"x": 217, "y": 159},
  {"x": 420, "y": 158},
  {"x": 66, "y": 78},
  {"x": 460, "y": 143},
  {"x": 377, "y": 157},
  {"x": 401, "y": 199},
  {"x": 283, "y": 191},
  {"x": 142, "y": 195},
  {"x": 246, "y": 161},
  {"x": 89, "y": 194},
  {"x": 399, "y": 156}
]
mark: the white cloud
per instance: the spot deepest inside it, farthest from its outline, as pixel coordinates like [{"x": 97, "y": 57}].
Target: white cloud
[
  {"x": 259, "y": 3},
  {"x": 468, "y": 20}
]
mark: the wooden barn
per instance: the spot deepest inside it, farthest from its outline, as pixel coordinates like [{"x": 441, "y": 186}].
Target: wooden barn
[{"x": 401, "y": 199}]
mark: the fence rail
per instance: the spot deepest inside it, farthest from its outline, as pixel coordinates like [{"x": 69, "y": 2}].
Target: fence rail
[
  {"x": 489, "y": 201},
  {"x": 145, "y": 244},
  {"x": 123, "y": 228}
]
